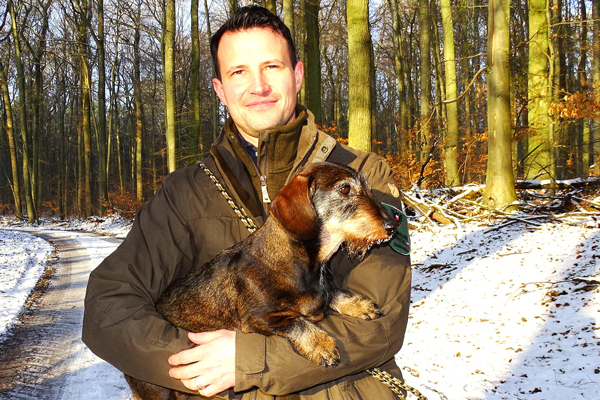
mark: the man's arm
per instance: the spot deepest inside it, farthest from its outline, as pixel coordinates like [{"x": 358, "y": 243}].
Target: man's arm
[{"x": 121, "y": 324}]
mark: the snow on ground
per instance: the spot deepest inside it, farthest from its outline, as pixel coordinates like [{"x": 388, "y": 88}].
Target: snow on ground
[
  {"x": 496, "y": 314},
  {"x": 502, "y": 314},
  {"x": 22, "y": 261}
]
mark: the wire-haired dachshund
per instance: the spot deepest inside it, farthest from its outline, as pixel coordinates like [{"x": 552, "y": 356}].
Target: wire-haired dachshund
[{"x": 277, "y": 282}]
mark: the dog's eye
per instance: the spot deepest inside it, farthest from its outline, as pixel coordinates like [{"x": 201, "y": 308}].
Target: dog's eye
[{"x": 345, "y": 189}]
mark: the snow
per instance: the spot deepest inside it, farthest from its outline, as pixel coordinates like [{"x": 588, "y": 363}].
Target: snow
[
  {"x": 496, "y": 313},
  {"x": 22, "y": 261}
]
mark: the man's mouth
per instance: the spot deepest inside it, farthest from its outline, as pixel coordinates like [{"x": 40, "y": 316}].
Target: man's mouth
[{"x": 261, "y": 104}]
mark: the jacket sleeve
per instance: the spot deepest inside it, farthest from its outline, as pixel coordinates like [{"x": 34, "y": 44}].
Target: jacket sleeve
[
  {"x": 121, "y": 324},
  {"x": 271, "y": 364}
]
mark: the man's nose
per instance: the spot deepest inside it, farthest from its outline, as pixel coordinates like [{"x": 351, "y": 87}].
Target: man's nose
[{"x": 260, "y": 85}]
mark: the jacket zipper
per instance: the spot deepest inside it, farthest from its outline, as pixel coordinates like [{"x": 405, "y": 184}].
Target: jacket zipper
[{"x": 263, "y": 188}]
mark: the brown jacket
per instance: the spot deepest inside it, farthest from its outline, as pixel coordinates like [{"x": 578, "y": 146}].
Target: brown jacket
[{"x": 188, "y": 222}]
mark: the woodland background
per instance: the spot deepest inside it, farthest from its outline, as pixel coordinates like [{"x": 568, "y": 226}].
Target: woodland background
[{"x": 102, "y": 98}]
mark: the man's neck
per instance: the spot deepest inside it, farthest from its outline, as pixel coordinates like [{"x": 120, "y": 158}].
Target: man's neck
[{"x": 253, "y": 140}]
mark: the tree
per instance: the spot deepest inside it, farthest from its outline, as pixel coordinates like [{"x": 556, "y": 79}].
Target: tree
[
  {"x": 539, "y": 160},
  {"x": 168, "y": 38},
  {"x": 288, "y": 15},
  {"x": 500, "y": 189},
  {"x": 27, "y": 185},
  {"x": 359, "y": 75},
  {"x": 399, "y": 66},
  {"x": 101, "y": 129},
  {"x": 451, "y": 136},
  {"x": 82, "y": 11},
  {"x": 8, "y": 127},
  {"x": 424, "y": 140},
  {"x": 313, "y": 59},
  {"x": 195, "y": 125},
  {"x": 596, "y": 77},
  {"x": 138, "y": 101}
]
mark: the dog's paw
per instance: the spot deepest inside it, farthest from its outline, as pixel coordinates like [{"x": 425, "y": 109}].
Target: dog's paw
[
  {"x": 370, "y": 311},
  {"x": 325, "y": 352},
  {"x": 355, "y": 305},
  {"x": 315, "y": 345}
]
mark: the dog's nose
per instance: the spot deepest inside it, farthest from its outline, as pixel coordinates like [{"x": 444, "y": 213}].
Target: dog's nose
[
  {"x": 390, "y": 222},
  {"x": 390, "y": 227}
]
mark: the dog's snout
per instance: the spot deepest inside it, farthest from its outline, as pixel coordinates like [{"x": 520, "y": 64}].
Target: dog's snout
[{"x": 390, "y": 222}]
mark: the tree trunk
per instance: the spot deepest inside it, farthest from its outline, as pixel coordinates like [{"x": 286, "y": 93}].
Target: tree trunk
[
  {"x": 195, "y": 125},
  {"x": 233, "y": 6},
  {"x": 38, "y": 104},
  {"x": 359, "y": 75},
  {"x": 101, "y": 133},
  {"x": 213, "y": 95},
  {"x": 538, "y": 162},
  {"x": 288, "y": 15},
  {"x": 271, "y": 5},
  {"x": 8, "y": 127},
  {"x": 582, "y": 78},
  {"x": 31, "y": 212},
  {"x": 313, "y": 59},
  {"x": 500, "y": 190},
  {"x": 139, "y": 108},
  {"x": 169, "y": 29},
  {"x": 595, "y": 135},
  {"x": 424, "y": 139},
  {"x": 399, "y": 69},
  {"x": 451, "y": 137},
  {"x": 86, "y": 105}
]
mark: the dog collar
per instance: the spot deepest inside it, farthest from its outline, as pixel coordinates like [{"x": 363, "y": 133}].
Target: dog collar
[{"x": 400, "y": 240}]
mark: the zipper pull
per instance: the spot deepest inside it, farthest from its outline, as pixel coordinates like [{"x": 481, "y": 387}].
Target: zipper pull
[{"x": 263, "y": 188}]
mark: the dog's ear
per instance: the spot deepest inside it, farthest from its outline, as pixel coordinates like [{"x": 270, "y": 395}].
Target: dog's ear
[{"x": 293, "y": 209}]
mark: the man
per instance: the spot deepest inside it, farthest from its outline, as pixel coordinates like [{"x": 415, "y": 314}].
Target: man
[{"x": 266, "y": 140}]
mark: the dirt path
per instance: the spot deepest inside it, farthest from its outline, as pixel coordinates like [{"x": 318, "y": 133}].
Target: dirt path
[{"x": 38, "y": 355}]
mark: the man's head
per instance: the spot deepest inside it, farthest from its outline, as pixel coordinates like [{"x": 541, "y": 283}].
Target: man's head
[
  {"x": 258, "y": 73},
  {"x": 252, "y": 17}
]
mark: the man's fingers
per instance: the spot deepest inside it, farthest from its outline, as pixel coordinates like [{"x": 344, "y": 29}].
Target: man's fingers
[
  {"x": 205, "y": 337},
  {"x": 187, "y": 356},
  {"x": 210, "y": 390},
  {"x": 186, "y": 372}
]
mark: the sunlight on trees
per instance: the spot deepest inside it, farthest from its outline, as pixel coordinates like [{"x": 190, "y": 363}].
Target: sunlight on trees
[{"x": 102, "y": 98}]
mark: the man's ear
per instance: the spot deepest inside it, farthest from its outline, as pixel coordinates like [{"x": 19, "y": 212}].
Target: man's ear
[
  {"x": 299, "y": 75},
  {"x": 218, "y": 86}
]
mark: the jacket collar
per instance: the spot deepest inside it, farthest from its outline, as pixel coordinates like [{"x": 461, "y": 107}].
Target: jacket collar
[{"x": 299, "y": 142}]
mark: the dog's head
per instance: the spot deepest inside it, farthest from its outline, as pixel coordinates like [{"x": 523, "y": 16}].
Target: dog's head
[{"x": 334, "y": 204}]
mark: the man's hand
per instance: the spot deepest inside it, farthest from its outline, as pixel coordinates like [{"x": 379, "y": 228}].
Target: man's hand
[{"x": 208, "y": 368}]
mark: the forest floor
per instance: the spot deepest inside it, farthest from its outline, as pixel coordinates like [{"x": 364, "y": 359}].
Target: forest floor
[{"x": 498, "y": 311}]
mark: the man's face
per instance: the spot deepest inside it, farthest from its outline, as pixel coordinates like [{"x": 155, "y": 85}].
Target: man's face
[{"x": 258, "y": 82}]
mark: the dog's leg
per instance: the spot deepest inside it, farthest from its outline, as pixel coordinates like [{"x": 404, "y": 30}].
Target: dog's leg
[
  {"x": 355, "y": 305},
  {"x": 312, "y": 342}
]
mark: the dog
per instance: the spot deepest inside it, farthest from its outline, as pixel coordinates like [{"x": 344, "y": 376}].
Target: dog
[{"x": 276, "y": 281}]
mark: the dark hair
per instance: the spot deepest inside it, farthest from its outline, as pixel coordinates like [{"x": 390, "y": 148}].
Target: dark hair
[{"x": 247, "y": 18}]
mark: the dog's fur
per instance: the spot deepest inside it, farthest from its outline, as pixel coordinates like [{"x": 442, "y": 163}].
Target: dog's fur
[{"x": 276, "y": 282}]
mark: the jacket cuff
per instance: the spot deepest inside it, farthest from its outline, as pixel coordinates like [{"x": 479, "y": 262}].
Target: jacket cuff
[{"x": 250, "y": 360}]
